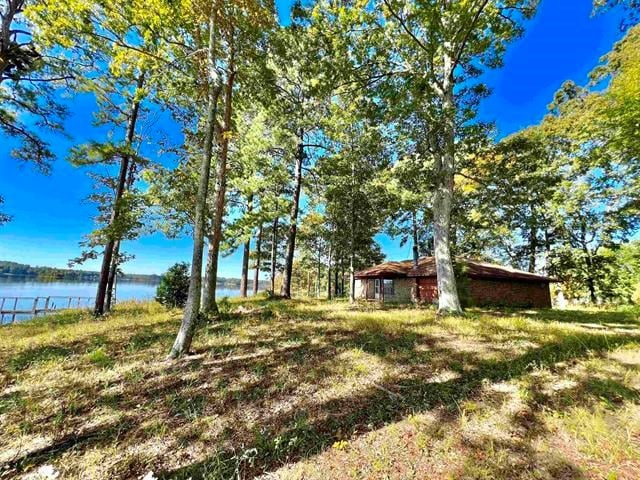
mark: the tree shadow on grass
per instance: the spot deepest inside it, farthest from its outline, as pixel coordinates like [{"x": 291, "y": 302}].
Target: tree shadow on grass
[
  {"x": 32, "y": 356},
  {"x": 86, "y": 439},
  {"x": 304, "y": 435},
  {"x": 281, "y": 354},
  {"x": 619, "y": 319}
]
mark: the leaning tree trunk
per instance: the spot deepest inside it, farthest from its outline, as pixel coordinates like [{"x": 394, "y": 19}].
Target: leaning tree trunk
[
  {"x": 184, "y": 338},
  {"x": 285, "y": 291},
  {"x": 117, "y": 200},
  {"x": 115, "y": 261},
  {"x": 246, "y": 252},
  {"x": 256, "y": 274},
  {"x": 113, "y": 272},
  {"x": 210, "y": 306},
  {"x": 448, "y": 301}
]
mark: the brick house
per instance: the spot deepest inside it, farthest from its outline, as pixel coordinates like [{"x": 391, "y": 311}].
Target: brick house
[{"x": 480, "y": 284}]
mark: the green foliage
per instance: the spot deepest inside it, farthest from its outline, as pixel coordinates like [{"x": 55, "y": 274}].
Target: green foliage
[
  {"x": 29, "y": 82},
  {"x": 100, "y": 358},
  {"x": 174, "y": 286},
  {"x": 35, "y": 356},
  {"x": 463, "y": 283}
]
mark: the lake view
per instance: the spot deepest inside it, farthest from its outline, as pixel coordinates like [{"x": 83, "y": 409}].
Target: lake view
[{"x": 31, "y": 287}]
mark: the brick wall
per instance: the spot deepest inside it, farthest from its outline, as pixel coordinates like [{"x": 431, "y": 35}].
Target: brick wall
[
  {"x": 480, "y": 292},
  {"x": 509, "y": 293},
  {"x": 427, "y": 290}
]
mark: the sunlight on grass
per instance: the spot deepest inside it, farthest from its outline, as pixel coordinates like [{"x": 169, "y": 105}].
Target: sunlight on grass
[{"x": 312, "y": 389}]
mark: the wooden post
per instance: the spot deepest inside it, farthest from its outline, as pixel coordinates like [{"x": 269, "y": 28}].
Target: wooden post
[
  {"x": 34, "y": 308},
  {"x": 46, "y": 305},
  {"x": 1, "y": 311},
  {"x": 382, "y": 290},
  {"x": 69, "y": 304}
]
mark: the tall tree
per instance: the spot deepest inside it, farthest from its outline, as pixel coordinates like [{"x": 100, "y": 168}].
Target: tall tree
[
  {"x": 191, "y": 315},
  {"x": 300, "y": 90},
  {"x": 435, "y": 52},
  {"x": 93, "y": 35},
  {"x": 243, "y": 32}
]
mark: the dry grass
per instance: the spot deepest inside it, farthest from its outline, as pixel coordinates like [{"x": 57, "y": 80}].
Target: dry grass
[{"x": 309, "y": 389}]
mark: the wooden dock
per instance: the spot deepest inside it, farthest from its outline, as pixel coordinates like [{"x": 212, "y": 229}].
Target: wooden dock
[{"x": 11, "y": 307}]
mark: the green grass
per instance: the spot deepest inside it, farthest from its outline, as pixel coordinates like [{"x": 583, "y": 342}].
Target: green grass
[{"x": 312, "y": 389}]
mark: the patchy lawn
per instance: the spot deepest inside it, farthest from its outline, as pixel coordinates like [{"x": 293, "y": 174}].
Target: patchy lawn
[{"x": 307, "y": 389}]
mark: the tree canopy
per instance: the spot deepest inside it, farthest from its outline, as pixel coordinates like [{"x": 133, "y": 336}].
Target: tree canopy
[{"x": 301, "y": 144}]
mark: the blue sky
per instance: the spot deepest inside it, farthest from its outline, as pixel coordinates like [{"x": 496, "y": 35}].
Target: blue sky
[{"x": 50, "y": 214}]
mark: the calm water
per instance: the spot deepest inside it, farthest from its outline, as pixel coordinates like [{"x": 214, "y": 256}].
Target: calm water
[{"x": 23, "y": 287}]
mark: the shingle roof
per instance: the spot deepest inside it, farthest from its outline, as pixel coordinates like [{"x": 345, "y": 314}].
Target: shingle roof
[
  {"x": 427, "y": 268},
  {"x": 388, "y": 270}
]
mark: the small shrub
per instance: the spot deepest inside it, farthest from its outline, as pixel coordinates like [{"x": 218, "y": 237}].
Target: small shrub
[
  {"x": 100, "y": 358},
  {"x": 174, "y": 286},
  {"x": 224, "y": 306},
  {"x": 635, "y": 297}
]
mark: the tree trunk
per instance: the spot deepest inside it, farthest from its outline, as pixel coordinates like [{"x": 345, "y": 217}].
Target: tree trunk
[
  {"x": 113, "y": 272},
  {"x": 352, "y": 278},
  {"x": 416, "y": 252},
  {"x": 115, "y": 261},
  {"x": 210, "y": 274},
  {"x": 329, "y": 275},
  {"x": 533, "y": 248},
  {"x": 183, "y": 340},
  {"x": 274, "y": 253},
  {"x": 115, "y": 214},
  {"x": 584, "y": 244},
  {"x": 256, "y": 275},
  {"x": 448, "y": 302},
  {"x": 336, "y": 286},
  {"x": 547, "y": 248},
  {"x": 591, "y": 284},
  {"x": 209, "y": 305},
  {"x": 319, "y": 273},
  {"x": 293, "y": 225},
  {"x": 246, "y": 252}
]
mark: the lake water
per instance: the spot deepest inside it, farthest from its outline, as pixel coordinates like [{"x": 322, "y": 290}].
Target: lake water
[{"x": 29, "y": 287}]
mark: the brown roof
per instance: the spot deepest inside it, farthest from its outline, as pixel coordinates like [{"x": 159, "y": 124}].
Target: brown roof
[
  {"x": 427, "y": 268},
  {"x": 387, "y": 270}
]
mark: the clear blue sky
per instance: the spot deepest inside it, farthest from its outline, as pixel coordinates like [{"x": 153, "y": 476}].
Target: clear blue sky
[{"x": 50, "y": 213}]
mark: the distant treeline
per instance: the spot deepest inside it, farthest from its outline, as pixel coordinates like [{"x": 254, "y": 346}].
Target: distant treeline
[{"x": 49, "y": 273}]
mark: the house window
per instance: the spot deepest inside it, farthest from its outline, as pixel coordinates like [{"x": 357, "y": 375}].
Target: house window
[{"x": 389, "y": 288}]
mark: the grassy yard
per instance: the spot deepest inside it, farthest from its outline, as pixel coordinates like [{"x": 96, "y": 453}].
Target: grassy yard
[{"x": 316, "y": 390}]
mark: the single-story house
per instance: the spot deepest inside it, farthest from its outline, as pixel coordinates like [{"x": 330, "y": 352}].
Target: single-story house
[{"x": 482, "y": 284}]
